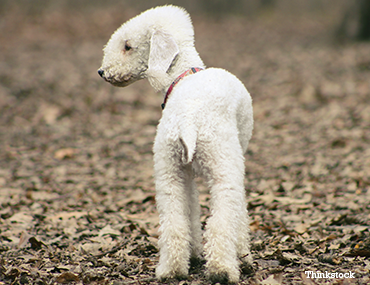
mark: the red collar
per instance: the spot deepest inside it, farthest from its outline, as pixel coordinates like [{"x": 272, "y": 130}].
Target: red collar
[{"x": 181, "y": 76}]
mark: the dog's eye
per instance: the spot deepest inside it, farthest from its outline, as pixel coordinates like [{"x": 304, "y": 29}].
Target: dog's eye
[{"x": 127, "y": 47}]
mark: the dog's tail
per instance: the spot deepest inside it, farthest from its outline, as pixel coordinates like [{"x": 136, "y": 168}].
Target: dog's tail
[{"x": 188, "y": 140}]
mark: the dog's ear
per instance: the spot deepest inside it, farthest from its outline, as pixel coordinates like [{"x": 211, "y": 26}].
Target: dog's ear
[{"x": 163, "y": 50}]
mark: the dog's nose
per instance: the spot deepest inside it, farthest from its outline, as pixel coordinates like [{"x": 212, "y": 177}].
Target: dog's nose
[{"x": 101, "y": 72}]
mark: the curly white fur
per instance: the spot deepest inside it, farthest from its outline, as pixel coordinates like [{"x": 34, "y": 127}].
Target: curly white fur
[{"x": 205, "y": 128}]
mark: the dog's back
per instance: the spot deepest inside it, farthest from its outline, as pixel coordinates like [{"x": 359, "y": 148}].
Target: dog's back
[{"x": 209, "y": 106}]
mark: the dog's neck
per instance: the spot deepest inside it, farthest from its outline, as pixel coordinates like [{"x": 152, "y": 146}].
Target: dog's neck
[{"x": 187, "y": 58}]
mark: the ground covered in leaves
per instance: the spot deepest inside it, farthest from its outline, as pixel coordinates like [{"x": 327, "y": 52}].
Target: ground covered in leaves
[{"x": 76, "y": 189}]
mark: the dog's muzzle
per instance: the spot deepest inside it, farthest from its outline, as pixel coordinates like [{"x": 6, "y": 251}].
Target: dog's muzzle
[{"x": 119, "y": 82}]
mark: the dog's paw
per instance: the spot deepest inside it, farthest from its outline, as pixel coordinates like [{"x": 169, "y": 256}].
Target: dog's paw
[
  {"x": 166, "y": 273},
  {"x": 223, "y": 275},
  {"x": 223, "y": 278}
]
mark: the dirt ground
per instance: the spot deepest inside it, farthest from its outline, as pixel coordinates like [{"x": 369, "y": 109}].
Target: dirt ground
[{"x": 76, "y": 188}]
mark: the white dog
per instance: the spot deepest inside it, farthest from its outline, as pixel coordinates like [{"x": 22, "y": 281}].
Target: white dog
[{"x": 206, "y": 125}]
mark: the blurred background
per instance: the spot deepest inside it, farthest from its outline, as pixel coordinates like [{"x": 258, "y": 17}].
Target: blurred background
[{"x": 305, "y": 62}]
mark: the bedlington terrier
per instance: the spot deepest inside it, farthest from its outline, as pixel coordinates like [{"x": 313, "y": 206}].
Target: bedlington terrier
[{"x": 206, "y": 125}]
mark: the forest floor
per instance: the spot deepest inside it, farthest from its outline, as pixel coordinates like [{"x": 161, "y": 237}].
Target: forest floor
[{"x": 77, "y": 198}]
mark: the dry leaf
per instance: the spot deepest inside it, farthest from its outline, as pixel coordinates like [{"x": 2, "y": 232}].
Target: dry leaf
[
  {"x": 108, "y": 230},
  {"x": 301, "y": 228},
  {"x": 65, "y": 153},
  {"x": 272, "y": 280},
  {"x": 67, "y": 277}
]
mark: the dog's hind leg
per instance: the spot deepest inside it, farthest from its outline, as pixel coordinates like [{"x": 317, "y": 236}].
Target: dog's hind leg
[
  {"x": 173, "y": 207},
  {"x": 228, "y": 212},
  {"x": 194, "y": 216}
]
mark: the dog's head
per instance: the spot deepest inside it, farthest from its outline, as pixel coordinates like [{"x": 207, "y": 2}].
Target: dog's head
[
  {"x": 125, "y": 57},
  {"x": 146, "y": 46}
]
